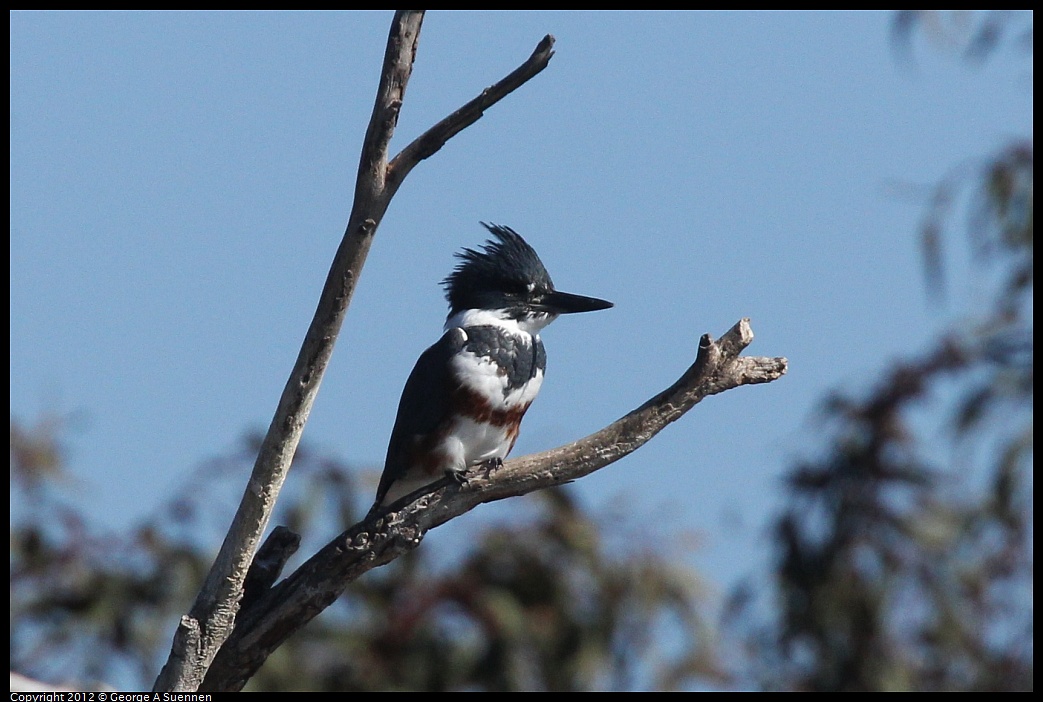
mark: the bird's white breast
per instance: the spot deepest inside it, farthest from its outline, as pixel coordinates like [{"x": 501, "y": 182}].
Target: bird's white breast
[{"x": 484, "y": 377}]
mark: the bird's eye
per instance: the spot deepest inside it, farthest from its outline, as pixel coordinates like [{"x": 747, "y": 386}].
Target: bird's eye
[{"x": 516, "y": 288}]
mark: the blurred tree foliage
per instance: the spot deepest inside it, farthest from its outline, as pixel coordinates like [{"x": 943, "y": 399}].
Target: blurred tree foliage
[
  {"x": 540, "y": 605},
  {"x": 904, "y": 560}
]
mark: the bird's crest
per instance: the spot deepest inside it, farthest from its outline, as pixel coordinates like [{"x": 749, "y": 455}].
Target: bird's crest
[{"x": 506, "y": 264}]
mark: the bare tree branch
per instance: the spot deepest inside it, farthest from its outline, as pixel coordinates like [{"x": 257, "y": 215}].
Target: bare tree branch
[
  {"x": 204, "y": 629},
  {"x": 262, "y": 627},
  {"x": 267, "y": 565},
  {"x": 428, "y": 143}
]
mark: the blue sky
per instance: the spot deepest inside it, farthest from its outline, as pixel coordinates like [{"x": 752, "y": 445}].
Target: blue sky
[{"x": 180, "y": 182}]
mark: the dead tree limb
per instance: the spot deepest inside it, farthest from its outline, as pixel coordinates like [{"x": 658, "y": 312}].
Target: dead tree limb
[
  {"x": 204, "y": 629},
  {"x": 271, "y": 619}
]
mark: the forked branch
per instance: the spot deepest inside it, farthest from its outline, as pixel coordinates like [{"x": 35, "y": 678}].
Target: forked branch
[
  {"x": 275, "y": 615},
  {"x": 204, "y": 629}
]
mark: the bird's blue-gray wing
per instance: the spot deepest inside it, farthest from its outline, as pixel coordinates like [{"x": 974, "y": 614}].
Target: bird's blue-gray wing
[{"x": 423, "y": 409}]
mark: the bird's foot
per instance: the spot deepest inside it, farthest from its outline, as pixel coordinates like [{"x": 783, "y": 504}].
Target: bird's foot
[
  {"x": 491, "y": 465},
  {"x": 457, "y": 477}
]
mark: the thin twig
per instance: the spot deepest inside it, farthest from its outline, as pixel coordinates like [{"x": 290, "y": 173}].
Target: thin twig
[{"x": 428, "y": 143}]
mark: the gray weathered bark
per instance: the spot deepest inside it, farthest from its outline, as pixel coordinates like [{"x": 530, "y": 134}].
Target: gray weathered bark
[{"x": 274, "y": 616}]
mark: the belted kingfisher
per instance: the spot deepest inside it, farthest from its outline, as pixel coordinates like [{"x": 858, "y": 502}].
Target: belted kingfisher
[{"x": 464, "y": 401}]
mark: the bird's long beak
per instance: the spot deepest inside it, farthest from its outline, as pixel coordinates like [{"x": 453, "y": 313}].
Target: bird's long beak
[{"x": 567, "y": 303}]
